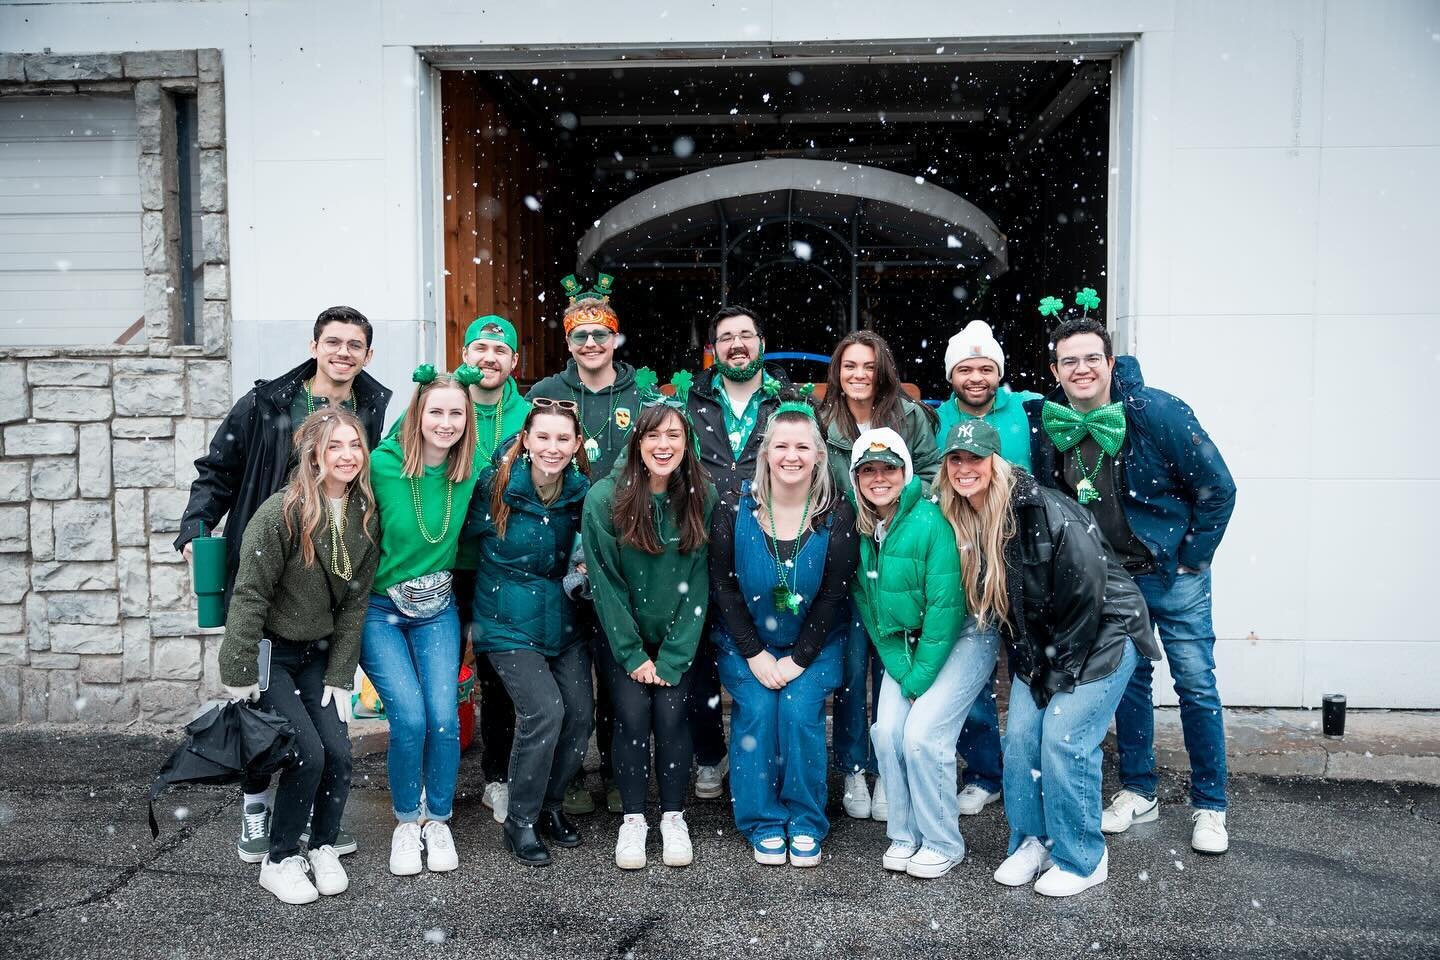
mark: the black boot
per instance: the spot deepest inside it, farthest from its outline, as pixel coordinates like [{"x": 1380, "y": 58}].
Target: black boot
[
  {"x": 558, "y": 828},
  {"x": 524, "y": 845}
]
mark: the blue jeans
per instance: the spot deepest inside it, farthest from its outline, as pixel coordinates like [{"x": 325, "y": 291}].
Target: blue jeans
[
  {"x": 777, "y": 745},
  {"x": 851, "y": 718},
  {"x": 1181, "y": 614},
  {"x": 979, "y": 743},
  {"x": 1052, "y": 767},
  {"x": 414, "y": 665},
  {"x": 915, "y": 746}
]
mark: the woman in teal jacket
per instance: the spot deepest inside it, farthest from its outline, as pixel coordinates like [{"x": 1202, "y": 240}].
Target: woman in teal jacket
[
  {"x": 910, "y": 598},
  {"x": 523, "y": 522}
]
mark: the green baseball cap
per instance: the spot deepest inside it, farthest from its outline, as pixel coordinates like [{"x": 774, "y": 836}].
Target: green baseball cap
[
  {"x": 492, "y": 327},
  {"x": 973, "y": 436},
  {"x": 877, "y": 453}
]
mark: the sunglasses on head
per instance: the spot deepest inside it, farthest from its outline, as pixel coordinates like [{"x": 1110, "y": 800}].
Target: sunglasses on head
[{"x": 568, "y": 405}]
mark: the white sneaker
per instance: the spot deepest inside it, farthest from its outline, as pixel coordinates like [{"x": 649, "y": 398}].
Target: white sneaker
[
  {"x": 898, "y": 855},
  {"x": 330, "y": 877},
  {"x": 804, "y": 851},
  {"x": 288, "y": 880},
  {"x": 1209, "y": 835},
  {"x": 405, "y": 850},
  {"x": 857, "y": 796},
  {"x": 630, "y": 844},
  {"x": 1059, "y": 883},
  {"x": 975, "y": 798},
  {"x": 1127, "y": 808},
  {"x": 675, "y": 837},
  {"x": 771, "y": 852},
  {"x": 709, "y": 779},
  {"x": 440, "y": 855},
  {"x": 1029, "y": 860},
  {"x": 927, "y": 864},
  {"x": 879, "y": 806},
  {"x": 497, "y": 798}
]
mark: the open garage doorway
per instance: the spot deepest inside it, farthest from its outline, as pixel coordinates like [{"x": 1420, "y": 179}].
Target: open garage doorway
[{"x": 534, "y": 159}]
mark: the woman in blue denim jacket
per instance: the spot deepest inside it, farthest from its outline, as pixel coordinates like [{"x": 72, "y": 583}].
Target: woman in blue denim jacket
[{"x": 780, "y": 570}]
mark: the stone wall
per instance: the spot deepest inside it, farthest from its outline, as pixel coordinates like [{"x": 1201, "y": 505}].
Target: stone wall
[{"x": 98, "y": 443}]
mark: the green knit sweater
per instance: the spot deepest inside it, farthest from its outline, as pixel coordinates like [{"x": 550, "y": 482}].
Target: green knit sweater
[
  {"x": 406, "y": 553},
  {"x": 652, "y": 607},
  {"x": 278, "y": 596}
]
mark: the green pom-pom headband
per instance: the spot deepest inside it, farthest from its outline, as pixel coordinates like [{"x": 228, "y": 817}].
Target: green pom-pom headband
[
  {"x": 802, "y": 407},
  {"x": 425, "y": 373},
  {"x": 468, "y": 376}
]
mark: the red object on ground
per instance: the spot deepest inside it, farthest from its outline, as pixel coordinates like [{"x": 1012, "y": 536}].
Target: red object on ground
[{"x": 467, "y": 707}]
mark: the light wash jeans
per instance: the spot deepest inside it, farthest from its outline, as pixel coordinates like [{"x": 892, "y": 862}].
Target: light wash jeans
[
  {"x": 915, "y": 746},
  {"x": 1052, "y": 766},
  {"x": 415, "y": 666}
]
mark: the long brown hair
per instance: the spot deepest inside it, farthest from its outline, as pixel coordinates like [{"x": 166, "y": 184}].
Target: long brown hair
[
  {"x": 633, "y": 514},
  {"x": 499, "y": 508},
  {"x": 458, "y": 459},
  {"x": 980, "y": 537},
  {"x": 304, "y": 500},
  {"x": 888, "y": 409}
]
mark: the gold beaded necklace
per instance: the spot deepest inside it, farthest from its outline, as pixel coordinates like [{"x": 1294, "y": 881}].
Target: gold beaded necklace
[
  {"x": 419, "y": 514},
  {"x": 340, "y": 564}
]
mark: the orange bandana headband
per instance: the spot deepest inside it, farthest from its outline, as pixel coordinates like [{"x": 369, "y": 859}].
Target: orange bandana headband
[{"x": 592, "y": 312}]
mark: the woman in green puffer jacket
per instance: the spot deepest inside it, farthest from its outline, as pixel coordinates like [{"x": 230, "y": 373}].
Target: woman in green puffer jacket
[
  {"x": 910, "y": 598},
  {"x": 523, "y": 522}
]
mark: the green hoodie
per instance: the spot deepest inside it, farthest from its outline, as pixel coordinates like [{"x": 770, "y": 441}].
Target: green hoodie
[
  {"x": 605, "y": 414},
  {"x": 651, "y": 606},
  {"x": 1007, "y": 416},
  {"x": 909, "y": 593},
  {"x": 404, "y": 552}
]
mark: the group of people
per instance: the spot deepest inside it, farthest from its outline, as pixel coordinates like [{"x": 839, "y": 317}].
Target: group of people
[{"x": 617, "y": 552}]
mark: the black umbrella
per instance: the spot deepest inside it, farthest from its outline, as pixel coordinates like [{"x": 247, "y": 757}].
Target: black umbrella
[{"x": 226, "y": 744}]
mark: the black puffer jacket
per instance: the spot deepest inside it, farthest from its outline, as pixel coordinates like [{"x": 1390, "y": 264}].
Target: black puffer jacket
[
  {"x": 249, "y": 457},
  {"x": 1072, "y": 606},
  {"x": 708, "y": 416}
]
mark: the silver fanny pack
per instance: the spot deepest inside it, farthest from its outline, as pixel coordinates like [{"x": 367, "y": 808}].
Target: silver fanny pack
[{"x": 422, "y": 597}]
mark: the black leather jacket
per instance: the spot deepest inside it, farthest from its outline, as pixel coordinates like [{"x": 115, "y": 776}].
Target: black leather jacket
[{"x": 1072, "y": 606}]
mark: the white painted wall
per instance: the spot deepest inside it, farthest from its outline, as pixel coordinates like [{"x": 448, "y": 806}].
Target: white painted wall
[{"x": 1281, "y": 223}]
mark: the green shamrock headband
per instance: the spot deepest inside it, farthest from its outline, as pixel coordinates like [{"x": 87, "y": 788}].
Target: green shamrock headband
[
  {"x": 649, "y": 394},
  {"x": 1086, "y": 299},
  {"x": 803, "y": 406},
  {"x": 575, "y": 290}
]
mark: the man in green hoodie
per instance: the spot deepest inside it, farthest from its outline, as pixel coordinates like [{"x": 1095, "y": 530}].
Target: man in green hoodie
[{"x": 603, "y": 390}]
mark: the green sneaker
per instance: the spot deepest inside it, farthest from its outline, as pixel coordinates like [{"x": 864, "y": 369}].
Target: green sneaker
[
  {"x": 344, "y": 844},
  {"x": 578, "y": 801},
  {"x": 613, "y": 803},
  {"x": 254, "y": 842}
]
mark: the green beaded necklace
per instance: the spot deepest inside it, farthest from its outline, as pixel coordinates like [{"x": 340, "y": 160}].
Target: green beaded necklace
[{"x": 786, "y": 599}]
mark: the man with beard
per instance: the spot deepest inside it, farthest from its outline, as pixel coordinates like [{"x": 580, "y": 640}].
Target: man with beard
[
  {"x": 603, "y": 390},
  {"x": 729, "y": 406},
  {"x": 975, "y": 365},
  {"x": 249, "y": 459}
]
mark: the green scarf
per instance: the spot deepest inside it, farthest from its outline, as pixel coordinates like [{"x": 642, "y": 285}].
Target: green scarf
[{"x": 1066, "y": 426}]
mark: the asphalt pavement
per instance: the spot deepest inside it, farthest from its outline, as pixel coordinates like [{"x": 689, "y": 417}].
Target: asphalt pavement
[{"x": 1317, "y": 868}]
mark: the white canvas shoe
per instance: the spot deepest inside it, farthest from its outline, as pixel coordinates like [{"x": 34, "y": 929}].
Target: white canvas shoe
[
  {"x": 975, "y": 798},
  {"x": 440, "y": 855},
  {"x": 288, "y": 880},
  {"x": 330, "y": 877},
  {"x": 497, "y": 798},
  {"x": 1029, "y": 860},
  {"x": 898, "y": 855},
  {"x": 879, "y": 806},
  {"x": 630, "y": 844},
  {"x": 405, "y": 850},
  {"x": 857, "y": 796},
  {"x": 1060, "y": 883},
  {"x": 1128, "y": 808},
  {"x": 1209, "y": 834},
  {"x": 927, "y": 864},
  {"x": 675, "y": 835}
]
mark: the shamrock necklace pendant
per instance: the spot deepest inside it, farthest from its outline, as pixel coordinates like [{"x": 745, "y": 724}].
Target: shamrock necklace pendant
[{"x": 786, "y": 599}]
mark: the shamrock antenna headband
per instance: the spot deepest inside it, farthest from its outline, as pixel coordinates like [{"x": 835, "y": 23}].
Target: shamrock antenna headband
[{"x": 1086, "y": 299}]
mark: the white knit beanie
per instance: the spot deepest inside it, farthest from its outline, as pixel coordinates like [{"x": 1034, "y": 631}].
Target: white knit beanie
[{"x": 975, "y": 340}]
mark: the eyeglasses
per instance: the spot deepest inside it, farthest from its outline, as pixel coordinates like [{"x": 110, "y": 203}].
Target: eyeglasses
[
  {"x": 581, "y": 337},
  {"x": 749, "y": 336},
  {"x": 336, "y": 345},
  {"x": 1091, "y": 360},
  {"x": 544, "y": 402}
]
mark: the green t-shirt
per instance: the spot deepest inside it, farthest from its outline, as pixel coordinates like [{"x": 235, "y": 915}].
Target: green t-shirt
[{"x": 405, "y": 551}]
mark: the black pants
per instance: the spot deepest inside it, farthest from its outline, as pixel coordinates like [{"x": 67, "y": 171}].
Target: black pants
[
  {"x": 604, "y": 709},
  {"x": 496, "y": 720},
  {"x": 321, "y": 777},
  {"x": 642, "y": 709},
  {"x": 553, "y": 703},
  {"x": 707, "y": 712}
]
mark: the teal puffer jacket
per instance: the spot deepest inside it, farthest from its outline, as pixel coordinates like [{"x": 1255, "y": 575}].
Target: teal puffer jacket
[
  {"x": 909, "y": 594},
  {"x": 519, "y": 601}
]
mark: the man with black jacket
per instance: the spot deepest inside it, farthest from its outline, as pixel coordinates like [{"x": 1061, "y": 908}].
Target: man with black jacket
[
  {"x": 729, "y": 405},
  {"x": 250, "y": 458}
]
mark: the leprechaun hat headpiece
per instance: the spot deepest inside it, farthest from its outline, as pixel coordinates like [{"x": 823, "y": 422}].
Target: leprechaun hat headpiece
[{"x": 590, "y": 306}]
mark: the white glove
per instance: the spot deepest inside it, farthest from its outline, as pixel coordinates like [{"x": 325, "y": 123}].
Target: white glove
[
  {"x": 341, "y": 696},
  {"x": 249, "y": 694}
]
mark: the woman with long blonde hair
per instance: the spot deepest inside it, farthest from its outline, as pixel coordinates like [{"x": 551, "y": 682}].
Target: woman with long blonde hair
[
  {"x": 1037, "y": 571},
  {"x": 307, "y": 561},
  {"x": 423, "y": 481}
]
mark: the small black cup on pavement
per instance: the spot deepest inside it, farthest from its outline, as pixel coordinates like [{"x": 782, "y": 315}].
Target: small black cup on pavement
[{"x": 1332, "y": 715}]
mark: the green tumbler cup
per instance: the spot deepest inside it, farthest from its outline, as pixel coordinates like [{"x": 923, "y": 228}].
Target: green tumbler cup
[{"x": 208, "y": 575}]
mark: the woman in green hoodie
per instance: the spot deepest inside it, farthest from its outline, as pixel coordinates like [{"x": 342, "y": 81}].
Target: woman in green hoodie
[
  {"x": 911, "y": 599},
  {"x": 645, "y": 533},
  {"x": 523, "y": 522}
]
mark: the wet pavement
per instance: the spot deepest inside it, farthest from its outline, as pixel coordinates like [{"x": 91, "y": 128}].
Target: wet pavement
[{"x": 1317, "y": 868}]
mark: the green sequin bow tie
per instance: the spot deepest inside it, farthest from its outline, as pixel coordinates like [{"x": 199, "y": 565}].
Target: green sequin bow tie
[{"x": 1067, "y": 427}]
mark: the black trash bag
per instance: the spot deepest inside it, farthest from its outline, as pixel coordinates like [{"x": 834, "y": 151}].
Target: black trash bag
[{"x": 226, "y": 744}]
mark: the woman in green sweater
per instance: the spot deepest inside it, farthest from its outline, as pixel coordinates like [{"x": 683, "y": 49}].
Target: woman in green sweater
[
  {"x": 423, "y": 481},
  {"x": 912, "y": 602},
  {"x": 307, "y": 560},
  {"x": 645, "y": 536}
]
